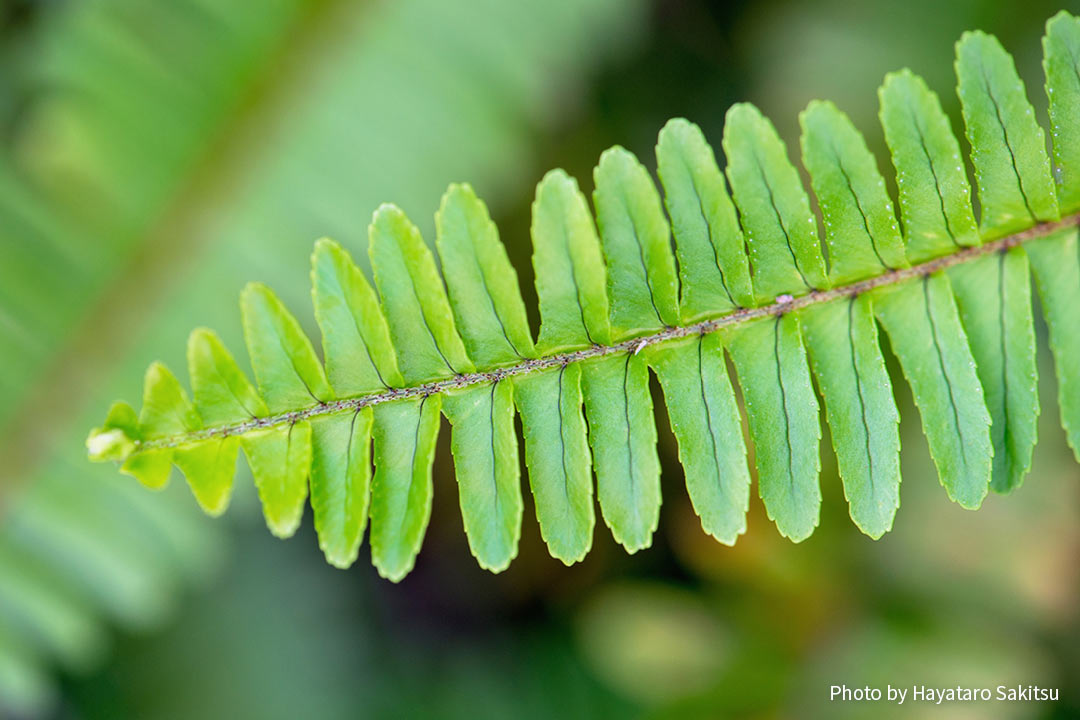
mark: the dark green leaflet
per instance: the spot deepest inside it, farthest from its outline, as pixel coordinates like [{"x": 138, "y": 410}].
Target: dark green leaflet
[
  {"x": 780, "y": 229},
  {"x": 924, "y": 329},
  {"x": 771, "y": 364},
  {"x": 713, "y": 268},
  {"x": 405, "y": 434},
  {"x": 622, "y": 434},
  {"x": 557, "y": 453},
  {"x": 846, "y": 357},
  {"x": 859, "y": 223},
  {"x": 1008, "y": 146},
  {"x": 1061, "y": 62},
  {"x": 1002, "y": 339},
  {"x": 1013, "y": 177},
  {"x": 706, "y": 422},
  {"x": 935, "y": 197},
  {"x": 1055, "y": 263}
]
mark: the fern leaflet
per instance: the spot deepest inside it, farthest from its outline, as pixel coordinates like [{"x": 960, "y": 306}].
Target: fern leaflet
[{"x": 615, "y": 302}]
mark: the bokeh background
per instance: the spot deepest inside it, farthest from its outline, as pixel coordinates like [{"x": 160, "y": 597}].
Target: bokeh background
[{"x": 154, "y": 157}]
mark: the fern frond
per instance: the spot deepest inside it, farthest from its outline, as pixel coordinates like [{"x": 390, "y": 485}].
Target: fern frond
[{"x": 616, "y": 302}]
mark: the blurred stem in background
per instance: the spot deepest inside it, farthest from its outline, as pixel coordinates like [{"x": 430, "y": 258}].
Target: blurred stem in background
[{"x": 199, "y": 145}]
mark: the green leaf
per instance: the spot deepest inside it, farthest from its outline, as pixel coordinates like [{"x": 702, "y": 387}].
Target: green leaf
[
  {"x": 770, "y": 361},
  {"x": 557, "y": 455},
  {"x": 859, "y": 223},
  {"x": 414, "y": 300},
  {"x": 280, "y": 459},
  {"x": 935, "y": 196},
  {"x": 979, "y": 404},
  {"x": 845, "y": 354},
  {"x": 209, "y": 466},
  {"x": 641, "y": 281},
  {"x": 714, "y": 271},
  {"x": 924, "y": 330},
  {"x": 222, "y": 392},
  {"x": 993, "y": 294},
  {"x": 1055, "y": 262},
  {"x": 622, "y": 434},
  {"x": 1012, "y": 171},
  {"x": 570, "y": 274},
  {"x": 355, "y": 337},
  {"x": 1061, "y": 62},
  {"x": 780, "y": 229},
  {"x": 484, "y": 445},
  {"x": 286, "y": 368},
  {"x": 484, "y": 292},
  {"x": 341, "y": 482},
  {"x": 150, "y": 467},
  {"x": 165, "y": 409},
  {"x": 405, "y": 434},
  {"x": 115, "y": 439},
  {"x": 706, "y": 423}
]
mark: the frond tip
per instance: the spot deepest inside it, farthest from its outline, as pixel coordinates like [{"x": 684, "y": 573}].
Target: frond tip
[{"x": 357, "y": 430}]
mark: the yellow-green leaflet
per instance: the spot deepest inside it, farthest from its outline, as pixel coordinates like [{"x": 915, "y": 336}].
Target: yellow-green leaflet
[
  {"x": 557, "y": 453},
  {"x": 405, "y": 434},
  {"x": 705, "y": 419},
  {"x": 414, "y": 300},
  {"x": 925, "y": 332},
  {"x": 673, "y": 291},
  {"x": 642, "y": 286},
  {"x": 209, "y": 467},
  {"x": 355, "y": 338},
  {"x": 1061, "y": 63},
  {"x": 222, "y": 392},
  {"x": 570, "y": 275},
  {"x": 288, "y": 372},
  {"x": 484, "y": 295},
  {"x": 780, "y": 229},
  {"x": 150, "y": 467},
  {"x": 165, "y": 408},
  {"x": 622, "y": 434},
  {"x": 771, "y": 364},
  {"x": 486, "y": 457},
  {"x": 341, "y": 482},
  {"x": 713, "y": 269},
  {"x": 280, "y": 458}
]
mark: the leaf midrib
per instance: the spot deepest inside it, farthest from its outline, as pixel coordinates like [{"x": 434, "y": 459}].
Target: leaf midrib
[{"x": 633, "y": 345}]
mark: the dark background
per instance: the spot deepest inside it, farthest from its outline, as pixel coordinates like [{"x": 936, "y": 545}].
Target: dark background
[{"x": 156, "y": 156}]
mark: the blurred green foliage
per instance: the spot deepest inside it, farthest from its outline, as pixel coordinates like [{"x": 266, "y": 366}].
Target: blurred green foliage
[{"x": 201, "y": 145}]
